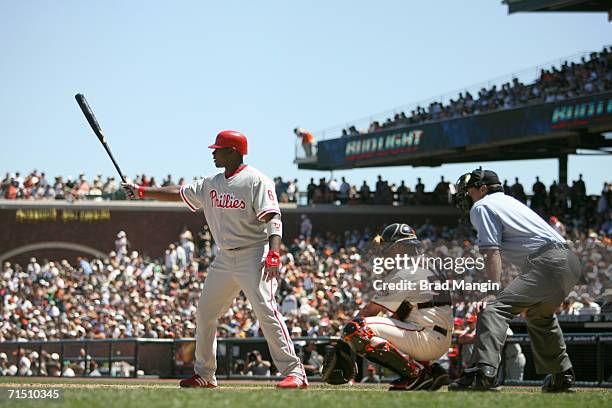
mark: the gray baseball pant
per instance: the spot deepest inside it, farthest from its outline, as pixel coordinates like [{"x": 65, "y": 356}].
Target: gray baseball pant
[{"x": 546, "y": 280}]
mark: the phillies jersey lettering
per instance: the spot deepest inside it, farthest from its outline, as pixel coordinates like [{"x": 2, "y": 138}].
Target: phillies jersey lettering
[
  {"x": 225, "y": 200},
  {"x": 234, "y": 206}
]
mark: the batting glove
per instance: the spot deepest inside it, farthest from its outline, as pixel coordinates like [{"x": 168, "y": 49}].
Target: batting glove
[
  {"x": 272, "y": 263},
  {"x": 132, "y": 191},
  {"x": 273, "y": 259}
]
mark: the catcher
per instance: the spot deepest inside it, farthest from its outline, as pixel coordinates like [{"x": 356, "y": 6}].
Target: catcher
[{"x": 418, "y": 330}]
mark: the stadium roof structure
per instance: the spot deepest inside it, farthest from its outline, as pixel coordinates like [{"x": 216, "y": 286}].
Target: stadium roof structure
[{"x": 517, "y": 6}]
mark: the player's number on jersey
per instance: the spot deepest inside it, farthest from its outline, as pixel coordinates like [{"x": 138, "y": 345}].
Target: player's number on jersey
[{"x": 271, "y": 195}]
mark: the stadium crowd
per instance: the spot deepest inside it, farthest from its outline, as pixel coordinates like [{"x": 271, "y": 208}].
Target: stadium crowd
[
  {"x": 36, "y": 186},
  {"x": 571, "y": 80},
  {"x": 557, "y": 199},
  {"x": 325, "y": 279}
]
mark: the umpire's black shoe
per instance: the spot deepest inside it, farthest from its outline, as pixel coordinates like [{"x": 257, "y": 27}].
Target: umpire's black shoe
[
  {"x": 560, "y": 382},
  {"x": 481, "y": 378},
  {"x": 439, "y": 376},
  {"x": 412, "y": 383}
]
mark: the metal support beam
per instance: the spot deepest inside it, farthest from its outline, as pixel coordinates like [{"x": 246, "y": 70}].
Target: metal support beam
[{"x": 563, "y": 169}]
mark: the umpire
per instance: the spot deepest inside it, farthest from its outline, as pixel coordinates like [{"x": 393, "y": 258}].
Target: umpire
[{"x": 508, "y": 229}]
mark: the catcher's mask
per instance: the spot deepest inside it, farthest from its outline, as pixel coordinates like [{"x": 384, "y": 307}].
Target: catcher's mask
[{"x": 398, "y": 234}]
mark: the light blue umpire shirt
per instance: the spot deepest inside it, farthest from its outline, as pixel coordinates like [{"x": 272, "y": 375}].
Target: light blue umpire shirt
[{"x": 503, "y": 222}]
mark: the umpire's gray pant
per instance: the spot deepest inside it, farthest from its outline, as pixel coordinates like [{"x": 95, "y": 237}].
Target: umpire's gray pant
[{"x": 546, "y": 280}]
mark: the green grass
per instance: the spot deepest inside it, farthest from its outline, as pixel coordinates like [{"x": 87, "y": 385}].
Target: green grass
[{"x": 151, "y": 394}]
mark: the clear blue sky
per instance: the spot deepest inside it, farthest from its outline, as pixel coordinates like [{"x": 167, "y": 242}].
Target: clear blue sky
[{"x": 164, "y": 77}]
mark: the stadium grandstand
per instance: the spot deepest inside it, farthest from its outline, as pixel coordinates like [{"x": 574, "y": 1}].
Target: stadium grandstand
[{"x": 566, "y": 109}]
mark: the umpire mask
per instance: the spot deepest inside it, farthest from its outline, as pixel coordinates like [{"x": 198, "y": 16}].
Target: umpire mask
[
  {"x": 462, "y": 199},
  {"x": 476, "y": 179}
]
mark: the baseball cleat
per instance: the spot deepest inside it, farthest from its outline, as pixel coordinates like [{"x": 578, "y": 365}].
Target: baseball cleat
[
  {"x": 196, "y": 381},
  {"x": 412, "y": 383},
  {"x": 291, "y": 381},
  {"x": 440, "y": 377},
  {"x": 560, "y": 382},
  {"x": 480, "y": 378}
]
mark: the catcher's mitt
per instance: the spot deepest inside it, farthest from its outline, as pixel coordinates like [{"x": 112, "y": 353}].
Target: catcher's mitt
[{"x": 339, "y": 366}]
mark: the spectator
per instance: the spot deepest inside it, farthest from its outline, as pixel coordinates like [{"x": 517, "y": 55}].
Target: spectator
[
  {"x": 576, "y": 306},
  {"x": 419, "y": 189},
  {"x": 24, "y": 364},
  {"x": 167, "y": 181},
  {"x": 4, "y": 366},
  {"x": 567, "y": 308},
  {"x": 306, "y": 227},
  {"x": 311, "y": 360},
  {"x": 507, "y": 188},
  {"x": 121, "y": 245},
  {"x": 557, "y": 225},
  {"x": 289, "y": 306},
  {"x": 307, "y": 139},
  {"x": 570, "y": 81},
  {"x": 310, "y": 191},
  {"x": 94, "y": 369},
  {"x": 514, "y": 361},
  {"x": 371, "y": 377},
  {"x": 466, "y": 338},
  {"x": 517, "y": 191},
  {"x": 292, "y": 191},
  {"x": 325, "y": 278},
  {"x": 441, "y": 192},
  {"x": 82, "y": 186},
  {"x": 589, "y": 307},
  {"x": 364, "y": 193},
  {"x": 403, "y": 193},
  {"x": 334, "y": 190},
  {"x": 186, "y": 242},
  {"x": 256, "y": 365},
  {"x": 171, "y": 258},
  {"x": 33, "y": 269},
  {"x": 344, "y": 191},
  {"x": 321, "y": 193}
]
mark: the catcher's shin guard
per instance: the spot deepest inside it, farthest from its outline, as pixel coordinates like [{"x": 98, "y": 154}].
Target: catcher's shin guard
[{"x": 364, "y": 342}]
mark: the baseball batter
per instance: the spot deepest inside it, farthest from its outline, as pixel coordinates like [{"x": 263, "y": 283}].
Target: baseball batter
[
  {"x": 241, "y": 209},
  {"x": 420, "y": 327}
]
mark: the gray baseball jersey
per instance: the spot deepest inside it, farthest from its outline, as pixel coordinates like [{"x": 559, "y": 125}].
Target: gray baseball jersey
[{"x": 234, "y": 206}]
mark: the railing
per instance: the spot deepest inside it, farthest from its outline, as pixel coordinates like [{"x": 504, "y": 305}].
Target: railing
[
  {"x": 135, "y": 357},
  {"x": 591, "y": 354}
]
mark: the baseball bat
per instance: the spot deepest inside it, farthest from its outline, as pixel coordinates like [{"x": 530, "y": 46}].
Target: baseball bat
[{"x": 91, "y": 118}]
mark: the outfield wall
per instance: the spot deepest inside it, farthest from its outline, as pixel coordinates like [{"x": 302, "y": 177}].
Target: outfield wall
[{"x": 60, "y": 229}]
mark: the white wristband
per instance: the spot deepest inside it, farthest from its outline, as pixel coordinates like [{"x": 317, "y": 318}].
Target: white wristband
[{"x": 274, "y": 227}]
